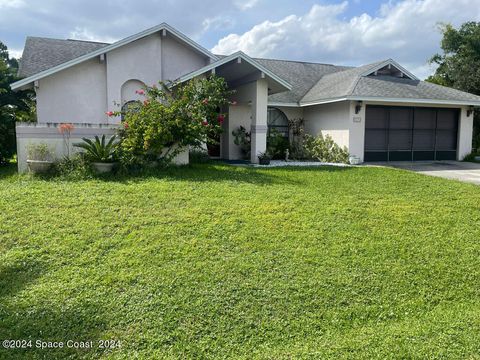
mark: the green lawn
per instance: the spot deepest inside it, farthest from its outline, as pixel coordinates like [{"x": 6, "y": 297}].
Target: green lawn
[{"x": 220, "y": 262}]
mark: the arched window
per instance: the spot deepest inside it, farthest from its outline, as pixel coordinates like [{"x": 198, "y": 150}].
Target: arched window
[
  {"x": 277, "y": 121},
  {"x": 130, "y": 106}
]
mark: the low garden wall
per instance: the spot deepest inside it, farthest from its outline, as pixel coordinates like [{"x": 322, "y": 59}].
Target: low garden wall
[{"x": 49, "y": 134}]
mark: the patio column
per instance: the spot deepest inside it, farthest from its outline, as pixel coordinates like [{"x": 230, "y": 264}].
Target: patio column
[{"x": 259, "y": 119}]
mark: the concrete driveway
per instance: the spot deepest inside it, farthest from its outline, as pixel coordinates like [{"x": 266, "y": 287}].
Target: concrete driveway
[{"x": 463, "y": 171}]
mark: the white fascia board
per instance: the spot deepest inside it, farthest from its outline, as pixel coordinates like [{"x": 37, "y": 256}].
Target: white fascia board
[
  {"x": 280, "y": 104},
  {"x": 394, "y": 100},
  {"x": 417, "y": 101},
  {"x": 231, "y": 57},
  {"x": 324, "y": 101},
  {"x": 394, "y": 64},
  {"x": 93, "y": 54}
]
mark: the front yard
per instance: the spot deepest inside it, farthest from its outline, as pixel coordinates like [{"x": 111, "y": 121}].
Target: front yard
[{"x": 214, "y": 261}]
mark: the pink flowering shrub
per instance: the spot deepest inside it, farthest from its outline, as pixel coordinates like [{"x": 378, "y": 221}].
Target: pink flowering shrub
[{"x": 169, "y": 119}]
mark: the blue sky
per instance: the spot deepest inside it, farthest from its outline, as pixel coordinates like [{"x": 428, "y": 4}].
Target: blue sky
[{"x": 342, "y": 32}]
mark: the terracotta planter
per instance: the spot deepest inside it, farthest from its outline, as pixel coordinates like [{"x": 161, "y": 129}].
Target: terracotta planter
[
  {"x": 39, "y": 166},
  {"x": 103, "y": 168}
]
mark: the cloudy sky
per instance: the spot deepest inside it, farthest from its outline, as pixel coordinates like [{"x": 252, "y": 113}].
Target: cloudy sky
[{"x": 341, "y": 32}]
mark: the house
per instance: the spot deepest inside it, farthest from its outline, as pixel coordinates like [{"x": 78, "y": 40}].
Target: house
[{"x": 379, "y": 111}]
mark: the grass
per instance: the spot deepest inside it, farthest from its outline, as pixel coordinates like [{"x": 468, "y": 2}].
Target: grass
[{"x": 219, "y": 262}]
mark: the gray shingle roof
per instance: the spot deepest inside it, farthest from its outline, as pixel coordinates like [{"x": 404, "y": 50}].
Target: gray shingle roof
[
  {"x": 43, "y": 53},
  {"x": 338, "y": 84},
  {"x": 301, "y": 75},
  {"x": 311, "y": 82},
  {"x": 391, "y": 87}
]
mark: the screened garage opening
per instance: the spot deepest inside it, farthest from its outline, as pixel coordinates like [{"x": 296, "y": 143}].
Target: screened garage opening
[{"x": 410, "y": 133}]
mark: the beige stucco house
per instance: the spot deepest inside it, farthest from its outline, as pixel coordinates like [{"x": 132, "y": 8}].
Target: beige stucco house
[{"x": 379, "y": 111}]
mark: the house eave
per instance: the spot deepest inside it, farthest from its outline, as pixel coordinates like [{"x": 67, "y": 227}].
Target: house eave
[
  {"x": 232, "y": 57},
  {"x": 21, "y": 83},
  {"x": 394, "y": 100}
]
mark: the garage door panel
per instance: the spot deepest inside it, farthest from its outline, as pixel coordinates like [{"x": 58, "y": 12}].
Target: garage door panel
[
  {"x": 376, "y": 140},
  {"x": 423, "y": 139},
  {"x": 447, "y": 119},
  {"x": 446, "y": 140},
  {"x": 410, "y": 133},
  {"x": 425, "y": 119},
  {"x": 400, "y": 139},
  {"x": 401, "y": 118},
  {"x": 377, "y": 118}
]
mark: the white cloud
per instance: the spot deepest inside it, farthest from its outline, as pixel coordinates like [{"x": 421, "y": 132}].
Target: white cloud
[
  {"x": 406, "y": 31},
  {"x": 245, "y": 4},
  {"x": 85, "y": 34},
  {"x": 15, "y": 53},
  {"x": 217, "y": 22},
  {"x": 14, "y": 4}
]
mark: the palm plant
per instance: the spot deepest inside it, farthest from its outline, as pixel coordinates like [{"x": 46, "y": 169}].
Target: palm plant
[{"x": 98, "y": 150}]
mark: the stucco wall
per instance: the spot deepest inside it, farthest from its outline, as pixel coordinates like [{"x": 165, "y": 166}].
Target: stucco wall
[
  {"x": 85, "y": 92},
  {"x": 30, "y": 133},
  {"x": 178, "y": 59},
  {"x": 329, "y": 119},
  {"x": 251, "y": 112},
  {"x": 76, "y": 95},
  {"x": 291, "y": 112},
  {"x": 238, "y": 115}
]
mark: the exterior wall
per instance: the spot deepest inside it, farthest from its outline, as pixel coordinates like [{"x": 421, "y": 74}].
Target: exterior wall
[
  {"x": 28, "y": 133},
  {"x": 348, "y": 129},
  {"x": 85, "y": 92},
  {"x": 31, "y": 133},
  {"x": 251, "y": 113},
  {"x": 291, "y": 112},
  {"x": 76, "y": 95},
  {"x": 330, "y": 119},
  {"x": 178, "y": 59},
  {"x": 139, "y": 60},
  {"x": 238, "y": 115},
  {"x": 465, "y": 133}
]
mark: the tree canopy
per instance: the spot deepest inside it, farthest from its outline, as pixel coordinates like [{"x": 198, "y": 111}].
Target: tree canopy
[
  {"x": 14, "y": 106},
  {"x": 459, "y": 64}
]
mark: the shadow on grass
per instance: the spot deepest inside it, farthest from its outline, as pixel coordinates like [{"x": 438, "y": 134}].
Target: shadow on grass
[
  {"x": 24, "y": 317},
  {"x": 8, "y": 170},
  {"x": 204, "y": 172}
]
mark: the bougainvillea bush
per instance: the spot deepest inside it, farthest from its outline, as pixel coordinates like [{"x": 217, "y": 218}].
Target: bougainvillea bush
[{"x": 171, "y": 118}]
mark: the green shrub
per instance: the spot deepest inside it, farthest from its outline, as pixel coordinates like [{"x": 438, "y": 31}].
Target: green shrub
[
  {"x": 198, "y": 156},
  {"x": 99, "y": 150},
  {"x": 74, "y": 168},
  {"x": 324, "y": 149},
  {"x": 277, "y": 144},
  {"x": 242, "y": 138},
  {"x": 170, "y": 119},
  {"x": 471, "y": 157},
  {"x": 39, "y": 152}
]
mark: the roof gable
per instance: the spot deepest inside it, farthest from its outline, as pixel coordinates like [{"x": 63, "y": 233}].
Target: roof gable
[
  {"x": 162, "y": 27},
  {"x": 232, "y": 57},
  {"x": 391, "y": 68}
]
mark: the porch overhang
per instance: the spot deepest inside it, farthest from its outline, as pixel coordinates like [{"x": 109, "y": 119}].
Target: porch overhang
[{"x": 239, "y": 69}]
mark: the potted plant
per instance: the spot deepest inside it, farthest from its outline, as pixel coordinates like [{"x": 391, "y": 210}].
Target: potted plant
[
  {"x": 100, "y": 152},
  {"x": 264, "y": 158},
  {"x": 39, "y": 158}
]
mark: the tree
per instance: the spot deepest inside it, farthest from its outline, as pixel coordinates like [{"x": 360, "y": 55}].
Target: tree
[
  {"x": 14, "y": 106},
  {"x": 459, "y": 65}
]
